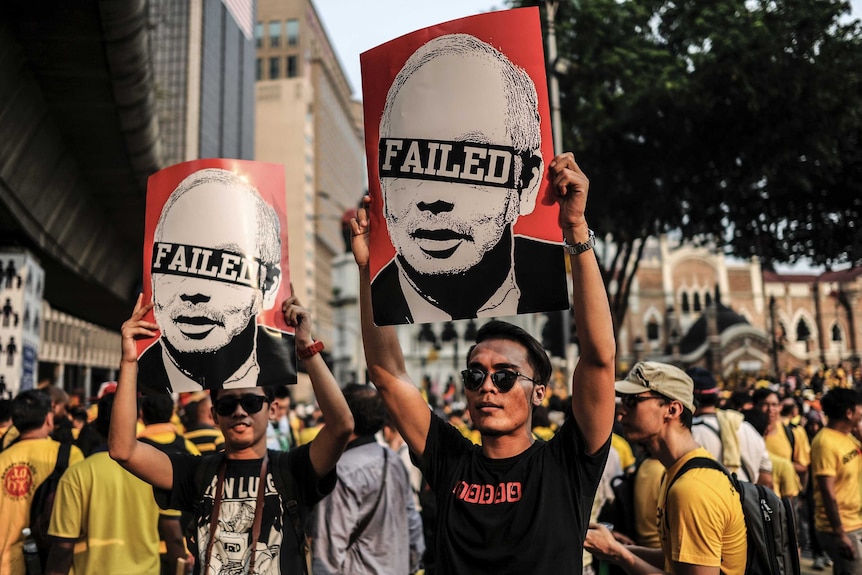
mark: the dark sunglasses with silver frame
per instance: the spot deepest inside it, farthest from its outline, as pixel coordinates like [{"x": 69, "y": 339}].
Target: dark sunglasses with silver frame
[{"x": 503, "y": 379}]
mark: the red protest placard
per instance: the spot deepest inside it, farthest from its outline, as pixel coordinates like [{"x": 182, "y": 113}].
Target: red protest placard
[
  {"x": 458, "y": 140},
  {"x": 216, "y": 269}
]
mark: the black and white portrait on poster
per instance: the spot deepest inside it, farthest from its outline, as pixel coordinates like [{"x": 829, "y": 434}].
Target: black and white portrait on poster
[
  {"x": 216, "y": 269},
  {"x": 459, "y": 173}
]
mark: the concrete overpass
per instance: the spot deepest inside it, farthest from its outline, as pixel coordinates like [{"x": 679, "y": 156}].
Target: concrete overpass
[{"x": 78, "y": 139}]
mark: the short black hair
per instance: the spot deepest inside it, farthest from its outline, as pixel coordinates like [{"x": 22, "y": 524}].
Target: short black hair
[
  {"x": 837, "y": 401},
  {"x": 367, "y": 408},
  {"x": 103, "y": 419},
  {"x": 5, "y": 410},
  {"x": 281, "y": 391},
  {"x": 157, "y": 408},
  {"x": 536, "y": 354},
  {"x": 760, "y": 395},
  {"x": 29, "y": 410},
  {"x": 757, "y": 419}
]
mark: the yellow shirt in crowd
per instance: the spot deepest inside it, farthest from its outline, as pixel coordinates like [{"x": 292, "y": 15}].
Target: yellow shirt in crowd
[{"x": 700, "y": 521}]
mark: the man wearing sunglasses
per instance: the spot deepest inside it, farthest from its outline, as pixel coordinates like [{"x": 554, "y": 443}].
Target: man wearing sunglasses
[
  {"x": 236, "y": 524},
  {"x": 511, "y": 505},
  {"x": 700, "y": 520}
]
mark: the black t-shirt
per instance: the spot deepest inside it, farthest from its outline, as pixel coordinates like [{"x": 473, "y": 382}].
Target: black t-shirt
[
  {"x": 278, "y": 548},
  {"x": 523, "y": 514}
]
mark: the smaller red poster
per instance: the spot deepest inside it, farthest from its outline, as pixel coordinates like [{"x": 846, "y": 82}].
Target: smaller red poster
[
  {"x": 458, "y": 142},
  {"x": 216, "y": 270}
]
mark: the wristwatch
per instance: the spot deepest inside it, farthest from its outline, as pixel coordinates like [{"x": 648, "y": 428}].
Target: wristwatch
[
  {"x": 309, "y": 351},
  {"x": 579, "y": 248}
]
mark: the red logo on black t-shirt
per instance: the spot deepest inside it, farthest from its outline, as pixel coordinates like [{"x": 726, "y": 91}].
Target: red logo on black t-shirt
[{"x": 509, "y": 492}]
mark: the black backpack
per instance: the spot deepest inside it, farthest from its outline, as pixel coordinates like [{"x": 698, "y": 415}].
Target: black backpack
[
  {"x": 284, "y": 484},
  {"x": 43, "y": 503},
  {"x": 621, "y": 511},
  {"x": 769, "y": 522}
]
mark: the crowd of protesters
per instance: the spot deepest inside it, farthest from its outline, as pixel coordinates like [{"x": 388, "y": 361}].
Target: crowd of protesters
[
  {"x": 500, "y": 475},
  {"x": 800, "y": 421}
]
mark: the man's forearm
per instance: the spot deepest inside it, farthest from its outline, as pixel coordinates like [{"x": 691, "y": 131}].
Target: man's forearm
[
  {"x": 641, "y": 560},
  {"x": 590, "y": 307},
  {"x": 382, "y": 349},
  {"x": 328, "y": 395},
  {"x": 121, "y": 437}
]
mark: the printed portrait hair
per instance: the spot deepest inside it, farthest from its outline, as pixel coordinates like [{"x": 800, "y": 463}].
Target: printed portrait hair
[
  {"x": 268, "y": 239},
  {"x": 522, "y": 121}
]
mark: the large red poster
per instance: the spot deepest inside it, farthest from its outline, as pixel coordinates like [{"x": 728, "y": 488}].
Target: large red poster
[
  {"x": 458, "y": 140},
  {"x": 216, "y": 269}
]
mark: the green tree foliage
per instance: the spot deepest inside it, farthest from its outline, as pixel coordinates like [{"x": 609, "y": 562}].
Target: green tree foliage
[{"x": 733, "y": 121}]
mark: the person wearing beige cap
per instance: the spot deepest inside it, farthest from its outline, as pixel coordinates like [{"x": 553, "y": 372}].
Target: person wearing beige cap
[{"x": 699, "y": 517}]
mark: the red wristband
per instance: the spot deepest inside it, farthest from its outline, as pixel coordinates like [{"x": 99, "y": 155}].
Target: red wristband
[{"x": 309, "y": 351}]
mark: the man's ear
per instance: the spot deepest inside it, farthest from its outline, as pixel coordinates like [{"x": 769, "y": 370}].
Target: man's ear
[
  {"x": 532, "y": 169},
  {"x": 538, "y": 394},
  {"x": 271, "y": 293}
]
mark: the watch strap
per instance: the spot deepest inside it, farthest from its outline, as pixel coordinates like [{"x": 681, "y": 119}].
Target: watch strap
[{"x": 580, "y": 247}]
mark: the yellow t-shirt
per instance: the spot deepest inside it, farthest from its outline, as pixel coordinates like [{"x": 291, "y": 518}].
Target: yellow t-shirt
[
  {"x": 785, "y": 481},
  {"x": 777, "y": 443},
  {"x": 627, "y": 458},
  {"x": 836, "y": 454},
  {"x": 700, "y": 521},
  {"x": 115, "y": 514},
  {"x": 647, "y": 486},
  {"x": 24, "y": 466}
]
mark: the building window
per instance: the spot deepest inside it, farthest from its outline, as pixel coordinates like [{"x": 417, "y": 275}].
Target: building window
[
  {"x": 274, "y": 34},
  {"x": 292, "y": 71},
  {"x": 836, "y": 333},
  {"x": 696, "y": 301},
  {"x": 684, "y": 303},
  {"x": 292, "y": 32},
  {"x": 707, "y": 299},
  {"x": 258, "y": 35},
  {"x": 273, "y": 68},
  {"x": 802, "y": 331},
  {"x": 652, "y": 330},
  {"x": 258, "y": 69}
]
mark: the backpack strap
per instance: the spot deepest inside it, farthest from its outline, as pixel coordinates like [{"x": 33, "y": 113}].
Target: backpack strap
[
  {"x": 62, "y": 461},
  {"x": 696, "y": 463},
  {"x": 791, "y": 438},
  {"x": 286, "y": 487}
]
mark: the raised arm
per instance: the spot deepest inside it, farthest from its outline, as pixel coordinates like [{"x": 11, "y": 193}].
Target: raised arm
[
  {"x": 593, "y": 380},
  {"x": 144, "y": 461},
  {"x": 329, "y": 444},
  {"x": 383, "y": 354}
]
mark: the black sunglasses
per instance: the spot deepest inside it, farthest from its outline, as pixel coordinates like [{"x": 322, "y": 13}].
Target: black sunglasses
[
  {"x": 504, "y": 379},
  {"x": 250, "y": 402},
  {"x": 631, "y": 401}
]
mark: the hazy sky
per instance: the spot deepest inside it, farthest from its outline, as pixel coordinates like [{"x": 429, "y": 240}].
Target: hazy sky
[{"x": 354, "y": 26}]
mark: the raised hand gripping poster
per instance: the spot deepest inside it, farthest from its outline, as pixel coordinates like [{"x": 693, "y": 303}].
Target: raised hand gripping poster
[
  {"x": 216, "y": 270},
  {"x": 458, "y": 141}
]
